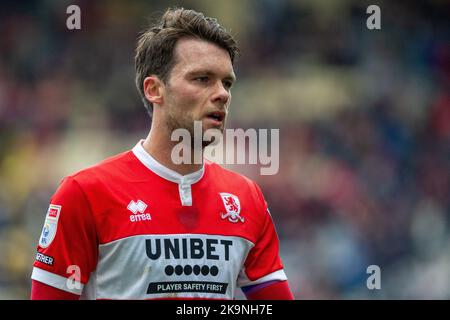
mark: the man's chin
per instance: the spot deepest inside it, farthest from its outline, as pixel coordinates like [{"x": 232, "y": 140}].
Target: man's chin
[{"x": 219, "y": 128}]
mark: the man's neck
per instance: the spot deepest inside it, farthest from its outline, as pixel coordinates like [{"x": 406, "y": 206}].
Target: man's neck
[{"x": 159, "y": 146}]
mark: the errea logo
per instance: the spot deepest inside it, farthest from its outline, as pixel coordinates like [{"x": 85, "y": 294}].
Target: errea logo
[{"x": 138, "y": 208}]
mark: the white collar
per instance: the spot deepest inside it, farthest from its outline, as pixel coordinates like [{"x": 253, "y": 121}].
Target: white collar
[{"x": 163, "y": 171}]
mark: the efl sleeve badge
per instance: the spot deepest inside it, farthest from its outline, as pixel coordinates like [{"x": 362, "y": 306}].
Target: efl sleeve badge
[{"x": 50, "y": 226}]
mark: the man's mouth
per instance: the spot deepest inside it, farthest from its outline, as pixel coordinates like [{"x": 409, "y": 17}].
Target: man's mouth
[{"x": 216, "y": 115}]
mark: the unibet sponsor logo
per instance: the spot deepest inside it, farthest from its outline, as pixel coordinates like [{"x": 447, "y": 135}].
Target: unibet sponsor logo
[
  {"x": 189, "y": 249},
  {"x": 193, "y": 248}
]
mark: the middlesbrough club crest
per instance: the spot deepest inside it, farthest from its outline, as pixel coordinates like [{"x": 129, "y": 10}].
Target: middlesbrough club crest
[{"x": 232, "y": 206}]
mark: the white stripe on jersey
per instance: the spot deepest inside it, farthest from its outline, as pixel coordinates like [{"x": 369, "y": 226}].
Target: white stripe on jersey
[
  {"x": 243, "y": 281},
  {"x": 166, "y": 266},
  {"x": 169, "y": 266},
  {"x": 56, "y": 281}
]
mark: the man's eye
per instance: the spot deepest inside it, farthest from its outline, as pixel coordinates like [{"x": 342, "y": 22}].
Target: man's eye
[
  {"x": 202, "y": 79},
  {"x": 227, "y": 84}
]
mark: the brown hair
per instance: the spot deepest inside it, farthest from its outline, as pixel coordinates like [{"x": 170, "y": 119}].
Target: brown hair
[{"x": 154, "y": 51}]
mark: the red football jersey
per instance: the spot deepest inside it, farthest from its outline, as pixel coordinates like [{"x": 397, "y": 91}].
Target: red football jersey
[{"x": 130, "y": 228}]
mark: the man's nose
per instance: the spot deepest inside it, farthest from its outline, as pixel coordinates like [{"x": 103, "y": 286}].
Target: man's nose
[{"x": 221, "y": 94}]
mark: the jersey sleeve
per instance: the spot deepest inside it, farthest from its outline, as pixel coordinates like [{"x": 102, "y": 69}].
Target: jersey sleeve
[
  {"x": 41, "y": 291},
  {"x": 68, "y": 247},
  {"x": 271, "y": 290},
  {"x": 263, "y": 262}
]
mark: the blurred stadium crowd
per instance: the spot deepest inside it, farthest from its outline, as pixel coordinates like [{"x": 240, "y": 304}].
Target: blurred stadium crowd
[{"x": 364, "y": 119}]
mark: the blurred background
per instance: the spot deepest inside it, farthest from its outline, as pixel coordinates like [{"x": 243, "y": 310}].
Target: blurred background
[{"x": 364, "y": 119}]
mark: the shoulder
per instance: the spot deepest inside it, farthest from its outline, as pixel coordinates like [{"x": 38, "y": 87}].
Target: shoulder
[
  {"x": 220, "y": 172},
  {"x": 236, "y": 181},
  {"x": 107, "y": 169}
]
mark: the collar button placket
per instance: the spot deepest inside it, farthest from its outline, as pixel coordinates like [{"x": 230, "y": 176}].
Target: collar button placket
[{"x": 185, "y": 192}]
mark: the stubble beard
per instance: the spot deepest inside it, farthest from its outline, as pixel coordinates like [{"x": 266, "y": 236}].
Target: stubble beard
[{"x": 173, "y": 122}]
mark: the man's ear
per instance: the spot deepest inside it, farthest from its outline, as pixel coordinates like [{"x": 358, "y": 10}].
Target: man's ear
[{"x": 153, "y": 89}]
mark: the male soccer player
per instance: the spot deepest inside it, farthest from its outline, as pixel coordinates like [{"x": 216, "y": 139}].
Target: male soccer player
[{"x": 139, "y": 226}]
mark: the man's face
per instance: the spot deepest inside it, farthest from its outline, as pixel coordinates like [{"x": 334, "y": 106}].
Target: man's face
[{"x": 198, "y": 86}]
